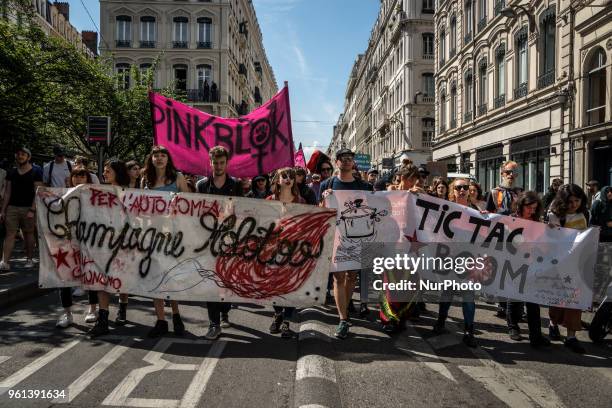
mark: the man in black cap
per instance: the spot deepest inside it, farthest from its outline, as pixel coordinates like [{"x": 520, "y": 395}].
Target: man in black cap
[
  {"x": 259, "y": 188},
  {"x": 18, "y": 209},
  {"x": 372, "y": 176},
  {"x": 344, "y": 282},
  {"x": 57, "y": 172}
]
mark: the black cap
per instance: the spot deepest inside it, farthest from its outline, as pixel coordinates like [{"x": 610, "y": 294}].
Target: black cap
[
  {"x": 58, "y": 151},
  {"x": 372, "y": 171},
  {"x": 423, "y": 170},
  {"x": 257, "y": 178},
  {"x": 25, "y": 150},
  {"x": 344, "y": 151}
]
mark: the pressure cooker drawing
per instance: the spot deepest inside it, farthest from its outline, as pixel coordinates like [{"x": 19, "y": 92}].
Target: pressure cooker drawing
[{"x": 358, "y": 221}]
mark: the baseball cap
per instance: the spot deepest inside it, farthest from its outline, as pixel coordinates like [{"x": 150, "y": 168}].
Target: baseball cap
[
  {"x": 372, "y": 171},
  {"x": 343, "y": 152},
  {"x": 25, "y": 150},
  {"x": 58, "y": 151}
]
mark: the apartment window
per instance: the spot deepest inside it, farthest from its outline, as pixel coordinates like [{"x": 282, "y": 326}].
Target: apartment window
[
  {"x": 428, "y": 132},
  {"x": 143, "y": 71},
  {"x": 596, "y": 88},
  {"x": 123, "y": 80},
  {"x": 442, "y": 50},
  {"x": 532, "y": 155},
  {"x": 442, "y": 110},
  {"x": 124, "y": 34},
  {"x": 467, "y": 31},
  {"x": 180, "y": 77},
  {"x": 453, "y": 106},
  {"x": 428, "y": 6},
  {"x": 181, "y": 25},
  {"x": 500, "y": 70},
  {"x": 468, "y": 90},
  {"x": 147, "y": 32},
  {"x": 204, "y": 32},
  {"x": 548, "y": 31},
  {"x": 482, "y": 14},
  {"x": 482, "y": 87},
  {"x": 428, "y": 46},
  {"x": 453, "y": 36},
  {"x": 521, "y": 63},
  {"x": 204, "y": 75},
  {"x": 489, "y": 161},
  {"x": 428, "y": 86}
]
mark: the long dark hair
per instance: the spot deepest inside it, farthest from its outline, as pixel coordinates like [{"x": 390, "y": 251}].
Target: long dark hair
[
  {"x": 559, "y": 204},
  {"x": 122, "y": 177},
  {"x": 149, "y": 175},
  {"x": 527, "y": 198}
]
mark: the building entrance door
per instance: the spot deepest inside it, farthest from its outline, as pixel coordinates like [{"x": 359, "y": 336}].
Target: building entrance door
[{"x": 602, "y": 162}]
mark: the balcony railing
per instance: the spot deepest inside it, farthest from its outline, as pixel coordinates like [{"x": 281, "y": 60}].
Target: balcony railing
[
  {"x": 453, "y": 123},
  {"x": 500, "y": 101},
  {"x": 204, "y": 44},
  {"x": 482, "y": 23},
  {"x": 429, "y": 99},
  {"x": 179, "y": 44},
  {"x": 546, "y": 79},
  {"x": 123, "y": 43},
  {"x": 499, "y": 6},
  {"x": 452, "y": 52},
  {"x": 467, "y": 38},
  {"x": 198, "y": 95},
  {"x": 521, "y": 91},
  {"x": 482, "y": 109},
  {"x": 147, "y": 44},
  {"x": 428, "y": 56},
  {"x": 467, "y": 117},
  {"x": 427, "y": 143}
]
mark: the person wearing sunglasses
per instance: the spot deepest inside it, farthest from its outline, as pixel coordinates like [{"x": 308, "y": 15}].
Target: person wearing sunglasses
[
  {"x": 344, "y": 282},
  {"x": 460, "y": 194},
  {"x": 325, "y": 170}
]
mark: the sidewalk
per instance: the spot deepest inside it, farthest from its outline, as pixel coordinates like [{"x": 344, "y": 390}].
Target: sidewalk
[{"x": 19, "y": 283}]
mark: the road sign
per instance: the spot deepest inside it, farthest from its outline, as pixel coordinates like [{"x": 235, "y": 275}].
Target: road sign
[{"x": 98, "y": 129}]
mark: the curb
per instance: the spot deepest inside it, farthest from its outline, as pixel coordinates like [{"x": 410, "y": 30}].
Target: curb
[
  {"x": 19, "y": 293},
  {"x": 316, "y": 384}
]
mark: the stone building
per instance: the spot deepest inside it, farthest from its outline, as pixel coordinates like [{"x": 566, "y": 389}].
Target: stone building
[{"x": 211, "y": 50}]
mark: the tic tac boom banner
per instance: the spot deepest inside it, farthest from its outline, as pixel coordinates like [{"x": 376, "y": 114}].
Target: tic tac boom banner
[
  {"x": 183, "y": 246},
  {"x": 258, "y": 143},
  {"x": 525, "y": 260}
]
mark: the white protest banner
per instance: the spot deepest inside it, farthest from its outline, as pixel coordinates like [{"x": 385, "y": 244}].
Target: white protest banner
[
  {"x": 525, "y": 260},
  {"x": 184, "y": 246}
]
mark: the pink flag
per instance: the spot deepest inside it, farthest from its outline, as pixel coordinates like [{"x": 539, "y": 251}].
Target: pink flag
[
  {"x": 259, "y": 142},
  {"x": 299, "y": 157}
]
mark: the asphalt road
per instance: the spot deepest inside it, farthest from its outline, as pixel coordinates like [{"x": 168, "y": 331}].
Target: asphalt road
[{"x": 248, "y": 367}]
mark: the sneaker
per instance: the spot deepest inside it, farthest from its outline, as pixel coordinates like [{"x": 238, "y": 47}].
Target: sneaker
[
  {"x": 225, "y": 321},
  {"x": 4, "y": 266},
  {"x": 178, "y": 327},
  {"x": 553, "y": 333},
  {"x": 343, "y": 330},
  {"x": 515, "y": 334},
  {"x": 349, "y": 321},
  {"x": 78, "y": 292},
  {"x": 213, "y": 333},
  {"x": 470, "y": 340},
  {"x": 160, "y": 328},
  {"x": 573, "y": 344},
  {"x": 390, "y": 328},
  {"x": 29, "y": 263},
  {"x": 91, "y": 317},
  {"x": 275, "y": 327},
  {"x": 286, "y": 332},
  {"x": 439, "y": 329},
  {"x": 540, "y": 342},
  {"x": 363, "y": 310},
  {"x": 64, "y": 321}
]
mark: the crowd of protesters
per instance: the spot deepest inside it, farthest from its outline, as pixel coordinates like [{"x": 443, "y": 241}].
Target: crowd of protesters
[{"x": 564, "y": 205}]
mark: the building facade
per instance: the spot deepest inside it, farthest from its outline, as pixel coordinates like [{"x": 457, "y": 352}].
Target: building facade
[
  {"x": 389, "y": 110},
  {"x": 211, "y": 50},
  {"x": 508, "y": 89}
]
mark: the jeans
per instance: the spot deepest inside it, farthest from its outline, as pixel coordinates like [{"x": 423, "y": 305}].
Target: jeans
[
  {"x": 66, "y": 297},
  {"x": 468, "y": 306},
  {"x": 215, "y": 310}
]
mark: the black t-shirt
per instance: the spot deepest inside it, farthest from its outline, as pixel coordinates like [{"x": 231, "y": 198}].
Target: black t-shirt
[
  {"x": 336, "y": 184},
  {"x": 231, "y": 187},
  {"x": 22, "y": 187}
]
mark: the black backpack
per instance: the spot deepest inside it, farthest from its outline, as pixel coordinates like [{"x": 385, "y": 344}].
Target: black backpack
[{"x": 51, "y": 169}]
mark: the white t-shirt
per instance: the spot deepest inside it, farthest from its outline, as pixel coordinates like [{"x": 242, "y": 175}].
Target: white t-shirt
[{"x": 60, "y": 174}]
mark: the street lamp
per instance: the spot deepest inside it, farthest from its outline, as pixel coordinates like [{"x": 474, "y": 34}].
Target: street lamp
[{"x": 510, "y": 12}]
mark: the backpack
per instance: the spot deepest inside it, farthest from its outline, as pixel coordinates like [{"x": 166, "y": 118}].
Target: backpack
[{"x": 51, "y": 170}]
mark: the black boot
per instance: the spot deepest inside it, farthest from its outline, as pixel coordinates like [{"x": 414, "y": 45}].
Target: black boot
[
  {"x": 101, "y": 326},
  {"x": 121, "y": 315},
  {"x": 276, "y": 323},
  {"x": 468, "y": 336},
  {"x": 160, "y": 328},
  {"x": 177, "y": 325}
]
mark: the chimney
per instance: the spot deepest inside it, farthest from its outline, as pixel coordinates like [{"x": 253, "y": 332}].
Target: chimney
[
  {"x": 63, "y": 8},
  {"x": 90, "y": 39}
]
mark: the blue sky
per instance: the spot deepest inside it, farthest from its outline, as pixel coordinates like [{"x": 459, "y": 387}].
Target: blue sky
[{"x": 310, "y": 43}]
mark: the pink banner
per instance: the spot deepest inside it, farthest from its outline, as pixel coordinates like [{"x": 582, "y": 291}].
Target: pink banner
[
  {"x": 259, "y": 142},
  {"x": 299, "y": 158}
]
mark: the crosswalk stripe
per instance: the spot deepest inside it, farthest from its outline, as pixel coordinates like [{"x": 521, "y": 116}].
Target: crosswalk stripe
[
  {"x": 34, "y": 366},
  {"x": 200, "y": 380}
]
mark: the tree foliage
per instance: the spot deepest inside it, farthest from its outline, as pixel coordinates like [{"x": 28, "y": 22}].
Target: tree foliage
[{"x": 48, "y": 88}]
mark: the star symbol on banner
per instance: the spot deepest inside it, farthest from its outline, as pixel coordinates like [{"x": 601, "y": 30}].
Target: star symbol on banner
[
  {"x": 567, "y": 279},
  {"x": 60, "y": 258},
  {"x": 415, "y": 245}
]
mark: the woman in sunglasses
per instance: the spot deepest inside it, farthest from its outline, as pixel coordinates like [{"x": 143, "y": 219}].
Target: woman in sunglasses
[
  {"x": 459, "y": 193},
  {"x": 284, "y": 189}
]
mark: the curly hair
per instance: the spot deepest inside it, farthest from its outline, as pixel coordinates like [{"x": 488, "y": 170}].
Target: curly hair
[
  {"x": 451, "y": 190},
  {"x": 560, "y": 203},
  {"x": 433, "y": 190},
  {"x": 528, "y": 198}
]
